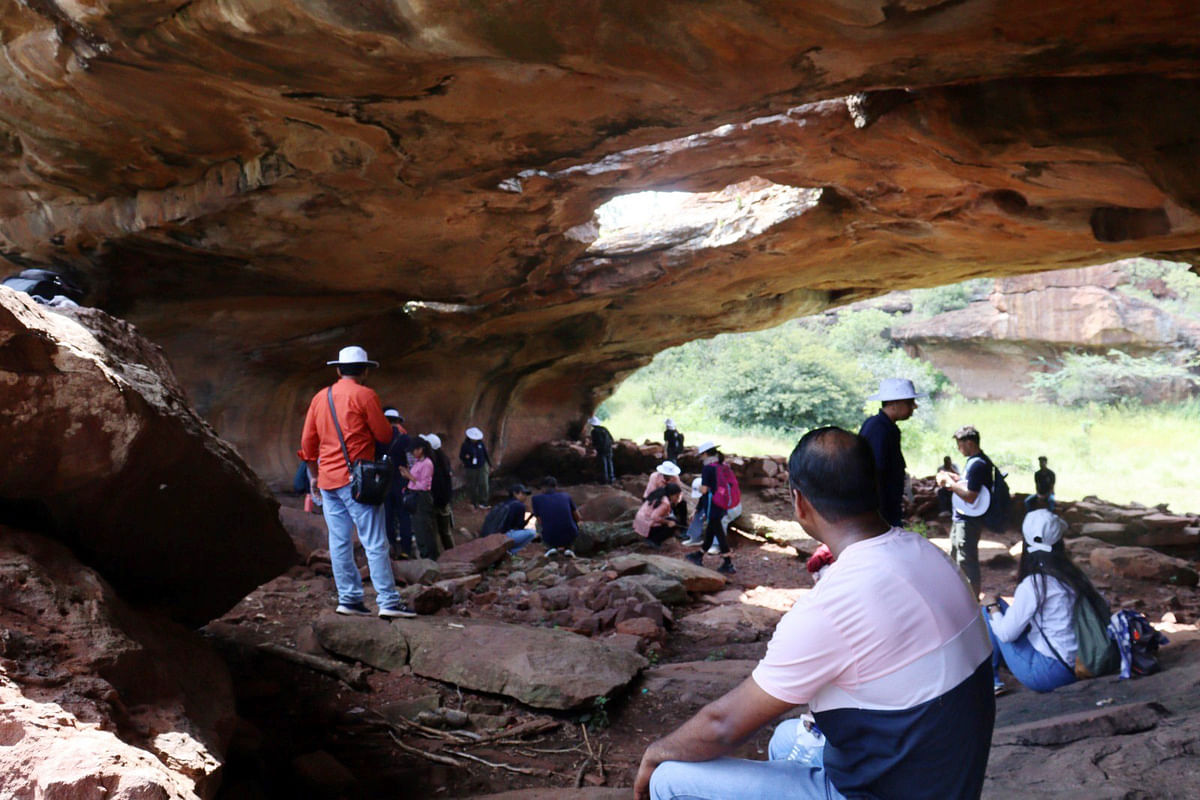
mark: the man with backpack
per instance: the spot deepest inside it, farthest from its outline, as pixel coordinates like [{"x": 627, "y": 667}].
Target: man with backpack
[
  {"x": 344, "y": 424},
  {"x": 602, "y": 442},
  {"x": 511, "y": 518},
  {"x": 973, "y": 501}
]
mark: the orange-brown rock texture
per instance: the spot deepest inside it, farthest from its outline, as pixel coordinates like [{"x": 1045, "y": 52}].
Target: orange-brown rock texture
[{"x": 257, "y": 183}]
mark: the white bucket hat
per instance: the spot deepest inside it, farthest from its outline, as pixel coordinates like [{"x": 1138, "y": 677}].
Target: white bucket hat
[
  {"x": 474, "y": 433},
  {"x": 704, "y": 448},
  {"x": 670, "y": 424},
  {"x": 669, "y": 468},
  {"x": 696, "y": 487},
  {"x": 896, "y": 389},
  {"x": 434, "y": 440},
  {"x": 593, "y": 420},
  {"x": 351, "y": 355},
  {"x": 1042, "y": 530}
]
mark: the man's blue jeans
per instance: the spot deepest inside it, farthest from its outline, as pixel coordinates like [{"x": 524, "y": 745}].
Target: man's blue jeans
[
  {"x": 1029, "y": 500},
  {"x": 796, "y": 770},
  {"x": 342, "y": 515},
  {"x": 520, "y": 538}
]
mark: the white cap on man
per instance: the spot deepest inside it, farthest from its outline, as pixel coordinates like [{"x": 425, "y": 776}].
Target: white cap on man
[
  {"x": 670, "y": 424},
  {"x": 352, "y": 356},
  {"x": 593, "y": 421},
  {"x": 896, "y": 389},
  {"x": 434, "y": 440},
  {"x": 475, "y": 434},
  {"x": 668, "y": 468}
]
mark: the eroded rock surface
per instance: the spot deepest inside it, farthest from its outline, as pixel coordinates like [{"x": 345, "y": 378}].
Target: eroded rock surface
[
  {"x": 96, "y": 696},
  {"x": 104, "y": 452},
  {"x": 428, "y": 187}
]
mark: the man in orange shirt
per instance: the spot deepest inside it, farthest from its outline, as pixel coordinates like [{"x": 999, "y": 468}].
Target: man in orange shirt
[{"x": 360, "y": 417}]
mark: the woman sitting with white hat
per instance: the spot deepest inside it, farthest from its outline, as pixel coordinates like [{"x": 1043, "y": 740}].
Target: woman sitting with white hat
[
  {"x": 1035, "y": 636},
  {"x": 665, "y": 474}
]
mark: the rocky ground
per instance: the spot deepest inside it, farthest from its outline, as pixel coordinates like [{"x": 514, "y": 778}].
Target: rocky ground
[{"x": 530, "y": 673}]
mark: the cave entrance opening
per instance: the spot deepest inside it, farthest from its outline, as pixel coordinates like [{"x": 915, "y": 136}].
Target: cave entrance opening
[{"x": 649, "y": 221}]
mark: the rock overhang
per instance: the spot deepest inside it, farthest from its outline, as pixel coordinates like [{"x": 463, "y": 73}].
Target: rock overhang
[{"x": 426, "y": 186}]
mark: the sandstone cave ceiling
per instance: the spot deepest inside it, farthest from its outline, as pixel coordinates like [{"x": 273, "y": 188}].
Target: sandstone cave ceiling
[{"x": 255, "y": 183}]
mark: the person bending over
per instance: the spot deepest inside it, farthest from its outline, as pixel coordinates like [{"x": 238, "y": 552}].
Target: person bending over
[
  {"x": 889, "y": 650},
  {"x": 655, "y": 520}
]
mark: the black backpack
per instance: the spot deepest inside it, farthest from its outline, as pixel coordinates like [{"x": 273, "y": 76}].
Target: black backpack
[
  {"x": 999, "y": 510},
  {"x": 495, "y": 520}
]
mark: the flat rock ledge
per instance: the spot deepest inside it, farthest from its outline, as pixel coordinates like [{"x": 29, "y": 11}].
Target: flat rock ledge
[{"x": 541, "y": 667}]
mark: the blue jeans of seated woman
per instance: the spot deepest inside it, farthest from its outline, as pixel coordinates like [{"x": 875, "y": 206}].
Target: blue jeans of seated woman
[
  {"x": 1034, "y": 670},
  {"x": 796, "y": 769}
]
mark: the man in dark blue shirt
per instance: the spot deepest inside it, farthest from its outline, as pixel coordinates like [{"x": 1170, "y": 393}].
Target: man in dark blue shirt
[
  {"x": 899, "y": 400},
  {"x": 556, "y": 512}
]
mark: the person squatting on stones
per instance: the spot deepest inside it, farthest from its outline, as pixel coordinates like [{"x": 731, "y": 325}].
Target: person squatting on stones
[
  {"x": 889, "y": 650},
  {"x": 399, "y": 521},
  {"x": 420, "y": 497},
  {"x": 716, "y": 486},
  {"x": 898, "y": 399},
  {"x": 1043, "y": 487},
  {"x": 655, "y": 521},
  {"x": 516, "y": 518},
  {"x": 558, "y": 517},
  {"x": 363, "y": 426},
  {"x": 667, "y": 473},
  {"x": 673, "y": 440},
  {"x": 972, "y": 495},
  {"x": 1035, "y": 636},
  {"x": 602, "y": 443},
  {"x": 475, "y": 460},
  {"x": 441, "y": 491}
]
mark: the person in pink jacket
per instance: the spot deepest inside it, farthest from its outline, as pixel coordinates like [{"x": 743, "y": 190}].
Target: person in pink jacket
[
  {"x": 665, "y": 474},
  {"x": 655, "y": 520}
]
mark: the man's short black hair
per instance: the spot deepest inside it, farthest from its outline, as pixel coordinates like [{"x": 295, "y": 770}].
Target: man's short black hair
[
  {"x": 835, "y": 470},
  {"x": 353, "y": 370},
  {"x": 549, "y": 482}
]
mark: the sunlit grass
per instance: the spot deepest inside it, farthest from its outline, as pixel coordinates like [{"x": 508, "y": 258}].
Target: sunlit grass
[{"x": 1145, "y": 454}]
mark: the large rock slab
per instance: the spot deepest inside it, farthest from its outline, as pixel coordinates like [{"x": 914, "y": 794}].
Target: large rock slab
[
  {"x": 696, "y": 682},
  {"x": 595, "y": 537},
  {"x": 665, "y": 590},
  {"x": 99, "y": 438},
  {"x": 540, "y": 667},
  {"x": 1144, "y": 564},
  {"x": 1105, "y": 721},
  {"x": 695, "y": 579},
  {"x": 95, "y": 695},
  {"x": 479, "y": 553}
]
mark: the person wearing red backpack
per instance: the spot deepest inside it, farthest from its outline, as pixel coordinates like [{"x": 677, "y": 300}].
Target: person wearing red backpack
[{"x": 719, "y": 492}]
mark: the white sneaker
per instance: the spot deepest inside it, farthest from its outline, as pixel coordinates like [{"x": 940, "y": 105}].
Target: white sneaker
[
  {"x": 551, "y": 551},
  {"x": 569, "y": 553},
  {"x": 714, "y": 550}
]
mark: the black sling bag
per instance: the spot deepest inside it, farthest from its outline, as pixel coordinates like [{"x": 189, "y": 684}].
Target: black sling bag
[{"x": 369, "y": 480}]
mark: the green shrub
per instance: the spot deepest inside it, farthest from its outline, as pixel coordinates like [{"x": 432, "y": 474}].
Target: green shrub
[{"x": 1109, "y": 379}]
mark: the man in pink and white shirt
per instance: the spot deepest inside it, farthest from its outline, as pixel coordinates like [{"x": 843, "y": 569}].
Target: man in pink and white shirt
[{"x": 889, "y": 652}]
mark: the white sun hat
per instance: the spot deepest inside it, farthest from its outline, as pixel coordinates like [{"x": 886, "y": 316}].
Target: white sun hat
[
  {"x": 1042, "y": 530},
  {"x": 434, "y": 440},
  {"x": 348, "y": 356},
  {"x": 474, "y": 433},
  {"x": 670, "y": 424},
  {"x": 593, "y": 420},
  {"x": 669, "y": 468},
  {"x": 704, "y": 448},
  {"x": 696, "y": 487},
  {"x": 896, "y": 389}
]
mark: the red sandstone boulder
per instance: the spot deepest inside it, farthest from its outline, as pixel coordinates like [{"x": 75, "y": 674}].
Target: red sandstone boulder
[
  {"x": 479, "y": 553},
  {"x": 98, "y": 697},
  {"x": 1144, "y": 564},
  {"x": 99, "y": 440}
]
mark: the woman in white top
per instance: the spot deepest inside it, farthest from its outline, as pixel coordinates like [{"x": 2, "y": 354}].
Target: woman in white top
[{"x": 1035, "y": 636}]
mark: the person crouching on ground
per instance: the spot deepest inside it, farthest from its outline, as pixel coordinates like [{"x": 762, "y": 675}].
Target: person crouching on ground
[
  {"x": 655, "y": 520},
  {"x": 664, "y": 474},
  {"x": 420, "y": 483},
  {"x": 516, "y": 518},
  {"x": 559, "y": 518},
  {"x": 889, "y": 651},
  {"x": 1035, "y": 636},
  {"x": 714, "y": 473},
  {"x": 343, "y": 424}
]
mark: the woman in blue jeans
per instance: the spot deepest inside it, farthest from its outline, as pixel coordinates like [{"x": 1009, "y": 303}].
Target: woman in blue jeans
[{"x": 1035, "y": 636}]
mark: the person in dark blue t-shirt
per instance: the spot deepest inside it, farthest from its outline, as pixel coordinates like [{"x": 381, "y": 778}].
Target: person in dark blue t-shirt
[
  {"x": 558, "y": 516},
  {"x": 514, "y": 518},
  {"x": 898, "y": 398},
  {"x": 972, "y": 496}
]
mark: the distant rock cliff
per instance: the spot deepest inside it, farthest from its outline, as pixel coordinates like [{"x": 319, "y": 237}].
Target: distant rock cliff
[{"x": 992, "y": 347}]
